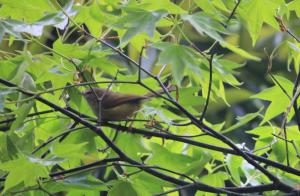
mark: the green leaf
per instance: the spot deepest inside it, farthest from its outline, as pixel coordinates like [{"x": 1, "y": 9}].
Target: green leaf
[
  {"x": 123, "y": 188},
  {"x": 106, "y": 65},
  {"x": 179, "y": 57},
  {"x": 19, "y": 75},
  {"x": 205, "y": 25},
  {"x": 196, "y": 167},
  {"x": 10, "y": 148},
  {"x": 234, "y": 164},
  {"x": 29, "y": 10},
  {"x": 88, "y": 51},
  {"x": 15, "y": 27},
  {"x": 225, "y": 70},
  {"x": 210, "y": 7},
  {"x": 240, "y": 51},
  {"x": 83, "y": 136},
  {"x": 279, "y": 101},
  {"x": 211, "y": 27},
  {"x": 295, "y": 54},
  {"x": 242, "y": 120},
  {"x": 137, "y": 21},
  {"x": 21, "y": 114},
  {"x": 234, "y": 96},
  {"x": 174, "y": 161},
  {"x": 84, "y": 181},
  {"x": 295, "y": 6},
  {"x": 75, "y": 96},
  {"x": 70, "y": 151},
  {"x": 47, "y": 128},
  {"x": 8, "y": 68},
  {"x": 264, "y": 137},
  {"x": 171, "y": 7},
  {"x": 7, "y": 27},
  {"x": 255, "y": 13},
  {"x": 279, "y": 152},
  {"x": 188, "y": 97},
  {"x": 86, "y": 14},
  {"x": 24, "y": 169},
  {"x": 216, "y": 180},
  {"x": 220, "y": 4},
  {"x": 136, "y": 147},
  {"x": 28, "y": 83},
  {"x": 149, "y": 182}
]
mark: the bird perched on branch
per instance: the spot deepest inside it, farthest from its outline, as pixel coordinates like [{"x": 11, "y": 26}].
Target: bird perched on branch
[{"x": 116, "y": 106}]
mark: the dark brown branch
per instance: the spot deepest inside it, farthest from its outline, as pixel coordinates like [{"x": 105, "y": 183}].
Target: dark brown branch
[
  {"x": 232, "y": 13},
  {"x": 80, "y": 168},
  {"x": 29, "y": 115},
  {"x": 209, "y": 88},
  {"x": 184, "y": 187},
  {"x": 140, "y": 64},
  {"x": 295, "y": 105},
  {"x": 55, "y": 138},
  {"x": 203, "y": 145},
  {"x": 296, "y": 83}
]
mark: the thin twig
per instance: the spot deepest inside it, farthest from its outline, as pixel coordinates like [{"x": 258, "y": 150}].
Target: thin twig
[
  {"x": 180, "y": 188},
  {"x": 269, "y": 71},
  {"x": 83, "y": 167},
  {"x": 55, "y": 138},
  {"x": 61, "y": 138},
  {"x": 202, "y": 145},
  {"x": 232, "y": 13},
  {"x": 100, "y": 99},
  {"x": 140, "y": 63},
  {"x": 159, "y": 168},
  {"x": 226, "y": 24},
  {"x": 286, "y": 145},
  {"x": 284, "y": 28},
  {"x": 209, "y": 88},
  {"x": 295, "y": 105},
  {"x": 29, "y": 115},
  {"x": 161, "y": 70}
]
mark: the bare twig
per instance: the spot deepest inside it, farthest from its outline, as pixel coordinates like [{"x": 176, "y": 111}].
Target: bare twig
[
  {"x": 209, "y": 88},
  {"x": 202, "y": 145},
  {"x": 140, "y": 63},
  {"x": 184, "y": 187},
  {"x": 284, "y": 28},
  {"x": 232, "y": 13},
  {"x": 55, "y": 138}
]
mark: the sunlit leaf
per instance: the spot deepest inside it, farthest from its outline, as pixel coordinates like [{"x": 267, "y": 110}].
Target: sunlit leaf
[
  {"x": 205, "y": 25},
  {"x": 255, "y": 13},
  {"x": 30, "y": 10},
  {"x": 24, "y": 170},
  {"x": 137, "y": 21},
  {"x": 180, "y": 57},
  {"x": 279, "y": 100}
]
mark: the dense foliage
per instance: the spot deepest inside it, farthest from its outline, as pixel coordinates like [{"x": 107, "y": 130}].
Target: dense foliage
[{"x": 231, "y": 126}]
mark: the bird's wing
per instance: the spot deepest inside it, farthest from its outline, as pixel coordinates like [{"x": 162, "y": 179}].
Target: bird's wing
[{"x": 112, "y": 99}]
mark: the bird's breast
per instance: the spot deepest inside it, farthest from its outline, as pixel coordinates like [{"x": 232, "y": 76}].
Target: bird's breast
[{"x": 120, "y": 112}]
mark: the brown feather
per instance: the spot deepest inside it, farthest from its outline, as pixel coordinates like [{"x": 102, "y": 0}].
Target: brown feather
[{"x": 115, "y": 106}]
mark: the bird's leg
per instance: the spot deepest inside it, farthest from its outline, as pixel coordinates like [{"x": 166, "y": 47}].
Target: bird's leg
[
  {"x": 131, "y": 122},
  {"x": 152, "y": 122}
]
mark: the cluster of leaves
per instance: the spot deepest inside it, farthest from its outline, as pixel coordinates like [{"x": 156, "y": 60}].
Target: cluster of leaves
[{"x": 52, "y": 49}]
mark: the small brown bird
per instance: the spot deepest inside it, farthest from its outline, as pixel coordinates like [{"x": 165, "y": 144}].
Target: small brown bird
[{"x": 115, "y": 106}]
